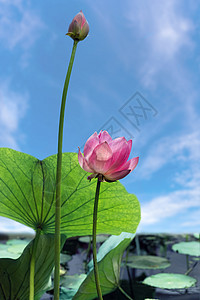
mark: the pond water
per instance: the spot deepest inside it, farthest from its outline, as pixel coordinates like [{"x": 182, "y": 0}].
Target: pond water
[{"x": 131, "y": 277}]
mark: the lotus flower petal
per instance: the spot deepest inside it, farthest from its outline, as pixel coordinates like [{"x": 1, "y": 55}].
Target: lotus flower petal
[
  {"x": 104, "y": 136},
  {"x": 101, "y": 158},
  {"x": 91, "y": 143},
  {"x": 79, "y": 28},
  {"x": 83, "y": 163},
  {"x": 106, "y": 158},
  {"x": 117, "y": 175},
  {"x": 129, "y": 165},
  {"x": 121, "y": 150}
]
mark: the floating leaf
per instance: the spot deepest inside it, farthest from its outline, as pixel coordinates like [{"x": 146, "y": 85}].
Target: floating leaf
[
  {"x": 196, "y": 258},
  {"x": 197, "y": 235},
  {"x": 62, "y": 272},
  {"x": 14, "y": 274},
  {"x": 109, "y": 268},
  {"x": 100, "y": 238},
  {"x": 73, "y": 281},
  {"x": 112, "y": 242},
  {"x": 70, "y": 285},
  {"x": 27, "y": 195},
  {"x": 5, "y": 254},
  {"x": 150, "y": 238},
  {"x": 18, "y": 249},
  {"x": 147, "y": 262},
  {"x": 17, "y": 242},
  {"x": 13, "y": 248},
  {"x": 170, "y": 281},
  {"x": 190, "y": 248},
  {"x": 66, "y": 294},
  {"x": 64, "y": 258}
]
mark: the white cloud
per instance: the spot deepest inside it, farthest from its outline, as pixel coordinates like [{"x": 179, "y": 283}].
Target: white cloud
[
  {"x": 13, "y": 107},
  {"x": 170, "y": 205},
  {"x": 164, "y": 31},
  {"x": 156, "y": 47},
  {"x": 172, "y": 149},
  {"x": 179, "y": 153},
  {"x": 156, "y": 34},
  {"x": 190, "y": 177},
  {"x": 18, "y": 24},
  {"x": 162, "y": 25}
]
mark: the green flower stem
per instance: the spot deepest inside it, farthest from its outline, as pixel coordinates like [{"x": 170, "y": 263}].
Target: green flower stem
[
  {"x": 187, "y": 256},
  {"x": 58, "y": 177},
  {"x": 187, "y": 262},
  {"x": 124, "y": 293},
  {"x": 32, "y": 265},
  {"x": 94, "y": 234},
  {"x": 190, "y": 269}
]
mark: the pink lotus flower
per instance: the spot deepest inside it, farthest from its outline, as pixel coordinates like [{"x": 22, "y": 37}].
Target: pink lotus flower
[
  {"x": 79, "y": 28},
  {"x": 106, "y": 158}
]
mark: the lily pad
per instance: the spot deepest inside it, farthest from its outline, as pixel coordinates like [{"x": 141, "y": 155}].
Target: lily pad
[
  {"x": 66, "y": 294},
  {"x": 64, "y": 258},
  {"x": 17, "y": 242},
  {"x": 13, "y": 248},
  {"x": 100, "y": 238},
  {"x": 197, "y": 235},
  {"x": 190, "y": 248},
  {"x": 72, "y": 282},
  {"x": 196, "y": 258},
  {"x": 147, "y": 262},
  {"x": 170, "y": 281},
  {"x": 5, "y": 254},
  {"x": 18, "y": 248},
  {"x": 150, "y": 238}
]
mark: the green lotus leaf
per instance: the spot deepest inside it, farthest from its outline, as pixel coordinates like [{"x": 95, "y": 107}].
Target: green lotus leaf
[
  {"x": 109, "y": 261},
  {"x": 27, "y": 195},
  {"x": 17, "y": 242},
  {"x": 64, "y": 258},
  {"x": 70, "y": 285},
  {"x": 13, "y": 248},
  {"x": 87, "y": 239},
  {"x": 190, "y": 248},
  {"x": 4, "y": 253},
  {"x": 18, "y": 249},
  {"x": 14, "y": 273},
  {"x": 147, "y": 262},
  {"x": 197, "y": 235},
  {"x": 170, "y": 281}
]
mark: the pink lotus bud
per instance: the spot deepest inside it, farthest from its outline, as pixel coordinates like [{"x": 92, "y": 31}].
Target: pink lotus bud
[
  {"x": 106, "y": 158},
  {"x": 79, "y": 28}
]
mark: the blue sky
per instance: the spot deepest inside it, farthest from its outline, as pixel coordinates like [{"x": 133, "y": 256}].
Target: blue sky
[{"x": 137, "y": 53}]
